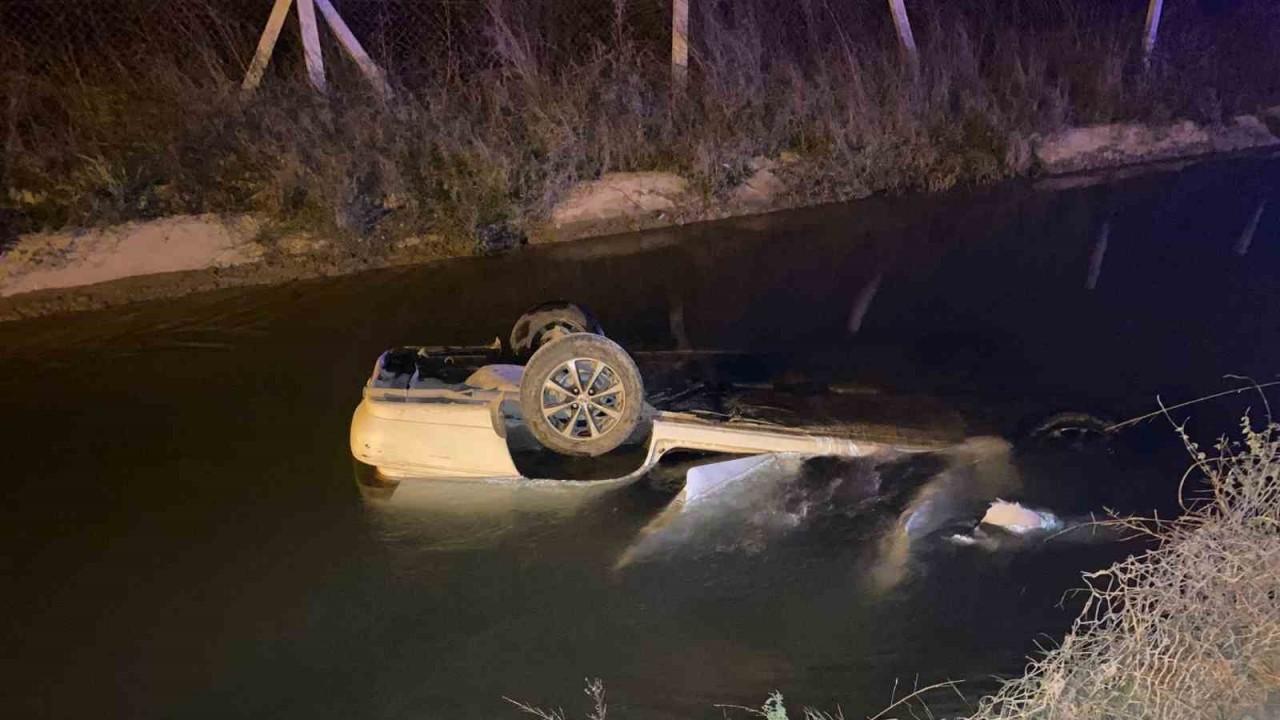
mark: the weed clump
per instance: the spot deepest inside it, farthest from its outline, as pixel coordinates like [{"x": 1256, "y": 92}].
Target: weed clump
[{"x": 1189, "y": 629}]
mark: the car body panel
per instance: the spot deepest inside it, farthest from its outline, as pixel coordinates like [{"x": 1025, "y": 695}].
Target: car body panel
[
  {"x": 434, "y": 436},
  {"x": 448, "y": 434}
]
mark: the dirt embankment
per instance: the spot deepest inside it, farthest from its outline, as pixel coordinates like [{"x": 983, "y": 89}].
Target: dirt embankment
[{"x": 48, "y": 273}]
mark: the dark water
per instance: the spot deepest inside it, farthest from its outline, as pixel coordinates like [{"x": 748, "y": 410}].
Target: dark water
[{"x": 183, "y": 537}]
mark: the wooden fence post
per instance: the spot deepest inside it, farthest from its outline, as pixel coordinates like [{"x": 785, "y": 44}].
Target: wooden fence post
[
  {"x": 266, "y": 45},
  {"x": 348, "y": 41},
  {"x": 1155, "y": 8},
  {"x": 311, "y": 44},
  {"x": 679, "y": 45},
  {"x": 310, "y": 31},
  {"x": 906, "y": 39}
]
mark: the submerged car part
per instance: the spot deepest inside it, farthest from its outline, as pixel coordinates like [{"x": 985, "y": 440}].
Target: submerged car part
[{"x": 1076, "y": 430}]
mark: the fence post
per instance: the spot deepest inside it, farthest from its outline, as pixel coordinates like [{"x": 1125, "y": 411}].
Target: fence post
[
  {"x": 266, "y": 45},
  {"x": 906, "y": 39},
  {"x": 311, "y": 43},
  {"x": 1155, "y": 8},
  {"x": 679, "y": 45},
  {"x": 348, "y": 41}
]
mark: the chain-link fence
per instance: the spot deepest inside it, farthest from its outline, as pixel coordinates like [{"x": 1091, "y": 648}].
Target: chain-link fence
[
  {"x": 407, "y": 37},
  {"x": 91, "y": 32}
]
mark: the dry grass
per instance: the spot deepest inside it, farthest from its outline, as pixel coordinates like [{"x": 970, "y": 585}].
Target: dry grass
[
  {"x": 490, "y": 127},
  {"x": 594, "y": 691},
  {"x": 1190, "y": 629}
]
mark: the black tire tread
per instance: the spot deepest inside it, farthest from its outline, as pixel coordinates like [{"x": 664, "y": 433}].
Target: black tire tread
[
  {"x": 526, "y": 332},
  {"x": 552, "y": 355}
]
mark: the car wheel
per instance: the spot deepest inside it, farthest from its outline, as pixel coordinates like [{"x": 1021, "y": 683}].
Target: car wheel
[
  {"x": 549, "y": 321},
  {"x": 581, "y": 395},
  {"x": 1072, "y": 429}
]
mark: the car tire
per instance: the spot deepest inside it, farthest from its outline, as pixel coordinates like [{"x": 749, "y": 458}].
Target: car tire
[
  {"x": 1077, "y": 430},
  {"x": 581, "y": 394},
  {"x": 549, "y": 321}
]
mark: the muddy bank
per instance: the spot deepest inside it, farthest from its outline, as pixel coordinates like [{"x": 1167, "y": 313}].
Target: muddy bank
[
  {"x": 624, "y": 202},
  {"x": 270, "y": 269},
  {"x": 47, "y": 273}
]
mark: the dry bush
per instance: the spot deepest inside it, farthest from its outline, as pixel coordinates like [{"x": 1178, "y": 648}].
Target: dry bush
[
  {"x": 594, "y": 691},
  {"x": 1189, "y": 629}
]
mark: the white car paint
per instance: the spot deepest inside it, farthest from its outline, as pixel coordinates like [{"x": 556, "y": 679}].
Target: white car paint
[{"x": 432, "y": 431}]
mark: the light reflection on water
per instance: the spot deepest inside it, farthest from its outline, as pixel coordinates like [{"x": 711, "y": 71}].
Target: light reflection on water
[
  {"x": 446, "y": 515},
  {"x": 804, "y": 575}
]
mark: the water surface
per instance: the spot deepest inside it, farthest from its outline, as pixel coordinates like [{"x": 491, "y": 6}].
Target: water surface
[{"x": 184, "y": 537}]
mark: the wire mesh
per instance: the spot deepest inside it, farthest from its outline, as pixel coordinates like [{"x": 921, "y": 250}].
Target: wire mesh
[{"x": 408, "y": 37}]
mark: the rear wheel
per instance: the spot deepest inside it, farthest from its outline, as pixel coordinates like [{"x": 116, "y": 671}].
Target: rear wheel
[
  {"x": 550, "y": 321},
  {"x": 581, "y": 394}
]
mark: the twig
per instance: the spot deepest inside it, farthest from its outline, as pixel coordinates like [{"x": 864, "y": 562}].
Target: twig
[
  {"x": 906, "y": 698},
  {"x": 536, "y": 712},
  {"x": 1265, "y": 402},
  {"x": 1165, "y": 411},
  {"x": 753, "y": 711}
]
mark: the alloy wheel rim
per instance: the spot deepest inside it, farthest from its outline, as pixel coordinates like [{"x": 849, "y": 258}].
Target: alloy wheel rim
[{"x": 583, "y": 398}]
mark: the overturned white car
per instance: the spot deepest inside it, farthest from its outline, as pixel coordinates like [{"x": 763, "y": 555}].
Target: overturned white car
[
  {"x": 458, "y": 412},
  {"x": 513, "y": 433}
]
